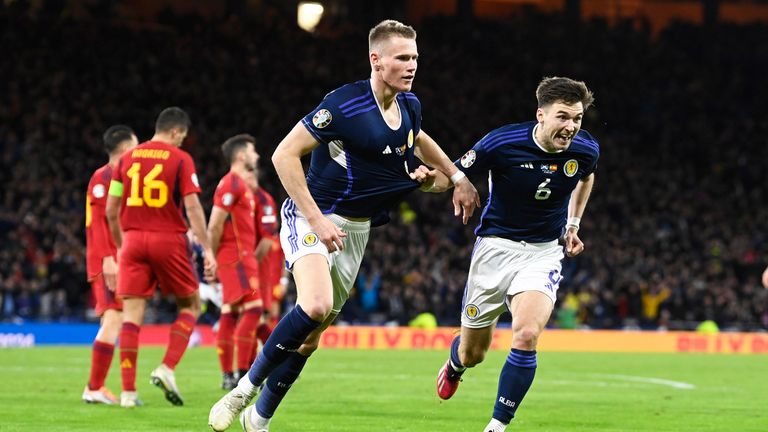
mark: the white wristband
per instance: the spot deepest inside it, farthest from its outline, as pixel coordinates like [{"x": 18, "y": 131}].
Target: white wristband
[
  {"x": 573, "y": 222},
  {"x": 457, "y": 176}
]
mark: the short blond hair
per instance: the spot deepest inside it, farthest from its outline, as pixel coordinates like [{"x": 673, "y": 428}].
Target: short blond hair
[{"x": 387, "y": 28}]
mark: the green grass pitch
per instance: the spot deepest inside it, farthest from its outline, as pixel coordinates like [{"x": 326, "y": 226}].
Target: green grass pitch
[{"x": 360, "y": 391}]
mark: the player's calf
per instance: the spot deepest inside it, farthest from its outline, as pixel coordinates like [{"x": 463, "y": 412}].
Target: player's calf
[{"x": 449, "y": 376}]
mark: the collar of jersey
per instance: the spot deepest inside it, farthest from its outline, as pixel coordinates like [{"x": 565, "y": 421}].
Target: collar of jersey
[{"x": 400, "y": 114}]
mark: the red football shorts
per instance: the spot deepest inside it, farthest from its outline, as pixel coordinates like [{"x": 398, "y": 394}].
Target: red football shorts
[
  {"x": 105, "y": 299},
  {"x": 148, "y": 258},
  {"x": 240, "y": 281}
]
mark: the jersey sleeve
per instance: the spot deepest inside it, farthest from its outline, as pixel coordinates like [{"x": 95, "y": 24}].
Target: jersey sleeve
[
  {"x": 188, "y": 182},
  {"x": 225, "y": 197},
  {"x": 480, "y": 158},
  {"x": 116, "y": 184},
  {"x": 97, "y": 190},
  {"x": 325, "y": 123},
  {"x": 594, "y": 150},
  {"x": 100, "y": 242}
]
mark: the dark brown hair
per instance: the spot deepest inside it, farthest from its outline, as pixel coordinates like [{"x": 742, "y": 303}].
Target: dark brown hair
[
  {"x": 233, "y": 145},
  {"x": 565, "y": 90}
]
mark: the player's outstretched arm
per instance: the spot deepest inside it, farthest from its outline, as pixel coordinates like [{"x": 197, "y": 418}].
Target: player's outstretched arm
[
  {"x": 465, "y": 196},
  {"x": 579, "y": 198},
  {"x": 287, "y": 161},
  {"x": 197, "y": 223}
]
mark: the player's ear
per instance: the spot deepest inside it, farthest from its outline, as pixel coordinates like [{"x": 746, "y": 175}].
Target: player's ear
[
  {"x": 540, "y": 115},
  {"x": 374, "y": 59}
]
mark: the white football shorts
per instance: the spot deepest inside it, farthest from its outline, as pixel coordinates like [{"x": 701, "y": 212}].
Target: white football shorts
[
  {"x": 298, "y": 240},
  {"x": 501, "y": 268}
]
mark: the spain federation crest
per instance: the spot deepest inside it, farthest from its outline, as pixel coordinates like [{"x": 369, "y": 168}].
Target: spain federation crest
[
  {"x": 471, "y": 311},
  {"x": 571, "y": 167},
  {"x": 310, "y": 239},
  {"x": 322, "y": 118},
  {"x": 468, "y": 159}
]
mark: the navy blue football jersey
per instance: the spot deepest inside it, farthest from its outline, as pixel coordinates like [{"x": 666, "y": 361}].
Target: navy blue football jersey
[
  {"x": 529, "y": 188},
  {"x": 360, "y": 168}
]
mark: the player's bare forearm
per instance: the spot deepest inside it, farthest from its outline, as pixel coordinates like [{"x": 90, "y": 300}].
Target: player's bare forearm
[
  {"x": 580, "y": 196},
  {"x": 428, "y": 151},
  {"x": 287, "y": 162},
  {"x": 197, "y": 220},
  {"x": 216, "y": 227},
  {"x": 263, "y": 248},
  {"x": 112, "y": 211}
]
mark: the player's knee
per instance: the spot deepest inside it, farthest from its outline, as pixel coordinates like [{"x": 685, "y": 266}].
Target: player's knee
[
  {"x": 317, "y": 309},
  {"x": 525, "y": 337},
  {"x": 471, "y": 356}
]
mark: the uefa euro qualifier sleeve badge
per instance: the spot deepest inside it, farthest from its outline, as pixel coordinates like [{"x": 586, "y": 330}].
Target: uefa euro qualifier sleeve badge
[
  {"x": 468, "y": 159},
  {"x": 322, "y": 118}
]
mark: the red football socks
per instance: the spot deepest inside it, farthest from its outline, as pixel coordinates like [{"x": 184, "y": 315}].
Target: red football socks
[
  {"x": 245, "y": 336},
  {"x": 101, "y": 359},
  {"x": 224, "y": 341},
  {"x": 129, "y": 350},
  {"x": 179, "y": 339}
]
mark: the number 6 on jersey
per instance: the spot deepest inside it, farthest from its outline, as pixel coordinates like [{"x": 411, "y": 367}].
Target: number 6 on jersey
[{"x": 542, "y": 192}]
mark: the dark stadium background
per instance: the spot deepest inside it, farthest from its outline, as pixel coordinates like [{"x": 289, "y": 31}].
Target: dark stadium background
[{"x": 680, "y": 208}]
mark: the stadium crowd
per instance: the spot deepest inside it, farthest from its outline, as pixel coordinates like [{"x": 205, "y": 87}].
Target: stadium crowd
[{"x": 675, "y": 229}]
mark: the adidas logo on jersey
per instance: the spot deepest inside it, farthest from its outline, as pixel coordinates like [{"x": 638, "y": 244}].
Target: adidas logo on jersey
[
  {"x": 526, "y": 165},
  {"x": 387, "y": 151}
]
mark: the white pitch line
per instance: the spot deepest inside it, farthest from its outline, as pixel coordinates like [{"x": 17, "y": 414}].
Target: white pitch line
[{"x": 674, "y": 384}]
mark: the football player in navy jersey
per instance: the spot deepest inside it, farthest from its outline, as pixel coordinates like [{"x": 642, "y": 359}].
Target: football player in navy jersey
[
  {"x": 366, "y": 143},
  {"x": 541, "y": 175}
]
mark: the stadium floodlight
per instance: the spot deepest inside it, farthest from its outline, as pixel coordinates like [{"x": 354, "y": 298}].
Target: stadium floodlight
[{"x": 309, "y": 14}]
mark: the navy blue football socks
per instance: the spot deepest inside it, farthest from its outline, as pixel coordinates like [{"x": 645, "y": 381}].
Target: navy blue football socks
[
  {"x": 278, "y": 384},
  {"x": 514, "y": 381},
  {"x": 286, "y": 338},
  {"x": 457, "y": 367}
]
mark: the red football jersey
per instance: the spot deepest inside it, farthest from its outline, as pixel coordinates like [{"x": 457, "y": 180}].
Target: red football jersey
[
  {"x": 98, "y": 239},
  {"x": 239, "y": 236},
  {"x": 155, "y": 177},
  {"x": 267, "y": 227}
]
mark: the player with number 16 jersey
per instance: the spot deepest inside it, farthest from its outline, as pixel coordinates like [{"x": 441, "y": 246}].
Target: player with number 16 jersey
[{"x": 150, "y": 185}]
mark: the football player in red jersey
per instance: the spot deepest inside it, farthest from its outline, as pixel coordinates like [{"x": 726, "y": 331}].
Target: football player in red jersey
[
  {"x": 269, "y": 254},
  {"x": 148, "y": 188},
  {"x": 101, "y": 254},
  {"x": 233, "y": 236}
]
